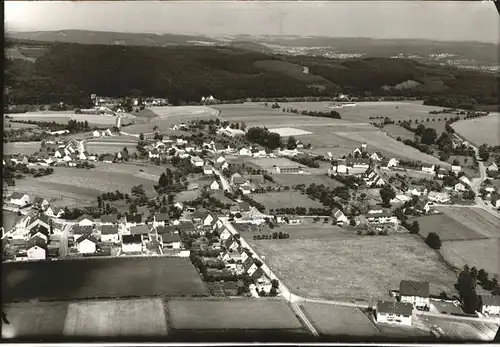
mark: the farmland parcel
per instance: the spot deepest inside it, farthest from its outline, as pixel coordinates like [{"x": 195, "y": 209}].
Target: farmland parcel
[
  {"x": 101, "y": 278},
  {"x": 352, "y": 267},
  {"x": 480, "y": 130},
  {"x": 275, "y": 200}
]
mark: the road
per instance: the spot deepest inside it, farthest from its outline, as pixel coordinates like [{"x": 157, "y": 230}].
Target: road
[
  {"x": 225, "y": 183},
  {"x": 448, "y": 316},
  {"x": 81, "y": 146},
  {"x": 63, "y": 246}
]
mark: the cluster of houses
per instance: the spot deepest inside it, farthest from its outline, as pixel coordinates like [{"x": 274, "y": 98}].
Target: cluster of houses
[{"x": 415, "y": 295}]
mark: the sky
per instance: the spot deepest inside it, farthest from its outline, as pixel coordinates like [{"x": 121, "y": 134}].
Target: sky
[{"x": 436, "y": 20}]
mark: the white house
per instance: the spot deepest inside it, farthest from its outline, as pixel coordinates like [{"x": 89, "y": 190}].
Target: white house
[
  {"x": 422, "y": 206},
  {"x": 109, "y": 233},
  {"x": 19, "y": 199},
  {"x": 340, "y": 168},
  {"x": 208, "y": 170},
  {"x": 82, "y": 156},
  {"x": 490, "y": 305},
  {"x": 245, "y": 189},
  {"x": 86, "y": 244},
  {"x": 220, "y": 160},
  {"x": 52, "y": 211},
  {"x": 208, "y": 219},
  {"x": 224, "y": 235},
  {"x": 154, "y": 154},
  {"x": 197, "y": 161},
  {"x": 160, "y": 219},
  {"x": 96, "y": 133},
  {"x": 381, "y": 217},
  {"x": 440, "y": 198},
  {"x": 492, "y": 168},
  {"x": 36, "y": 252},
  {"x": 456, "y": 169},
  {"x": 394, "y": 312},
  {"x": 131, "y": 243},
  {"x": 171, "y": 240},
  {"x": 245, "y": 152},
  {"x": 215, "y": 185},
  {"x": 415, "y": 293},
  {"x": 85, "y": 220},
  {"x": 429, "y": 168},
  {"x": 465, "y": 180},
  {"x": 339, "y": 216},
  {"x": 441, "y": 172},
  {"x": 377, "y": 156},
  {"x": 178, "y": 205},
  {"x": 460, "y": 187}
]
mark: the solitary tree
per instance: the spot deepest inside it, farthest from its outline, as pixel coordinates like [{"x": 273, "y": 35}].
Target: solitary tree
[
  {"x": 387, "y": 194},
  {"x": 433, "y": 240}
]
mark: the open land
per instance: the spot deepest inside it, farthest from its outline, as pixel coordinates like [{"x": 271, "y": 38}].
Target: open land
[
  {"x": 290, "y": 132},
  {"x": 352, "y": 267},
  {"x": 231, "y": 314},
  {"x": 339, "y": 320},
  {"x": 447, "y": 228},
  {"x": 483, "y": 254},
  {"x": 292, "y": 180},
  {"x": 41, "y": 319},
  {"x": 274, "y": 200},
  {"x": 458, "y": 330},
  {"x": 480, "y": 130},
  {"x": 269, "y": 163},
  {"x": 21, "y": 147},
  {"x": 8, "y": 125},
  {"x": 117, "y": 318},
  {"x": 395, "y": 131},
  {"x": 101, "y": 278},
  {"x": 9, "y": 219},
  {"x": 474, "y": 218},
  {"x": 62, "y": 117}
]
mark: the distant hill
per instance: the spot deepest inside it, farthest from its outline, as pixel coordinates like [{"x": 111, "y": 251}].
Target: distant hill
[{"x": 52, "y": 72}]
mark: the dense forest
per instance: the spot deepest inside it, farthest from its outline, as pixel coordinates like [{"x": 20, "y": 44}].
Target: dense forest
[{"x": 71, "y": 72}]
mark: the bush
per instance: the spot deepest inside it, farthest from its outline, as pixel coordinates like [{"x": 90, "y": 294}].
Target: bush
[{"x": 433, "y": 240}]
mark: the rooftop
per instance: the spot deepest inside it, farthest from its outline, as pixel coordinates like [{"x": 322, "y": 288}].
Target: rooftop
[{"x": 395, "y": 307}]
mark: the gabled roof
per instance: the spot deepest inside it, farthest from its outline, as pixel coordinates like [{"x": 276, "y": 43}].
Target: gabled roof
[
  {"x": 109, "y": 230},
  {"x": 162, "y": 217},
  {"x": 133, "y": 218},
  {"x": 42, "y": 218},
  {"x": 208, "y": 167},
  {"x": 83, "y": 217},
  {"x": 395, "y": 307},
  {"x": 414, "y": 288},
  {"x": 109, "y": 218},
  {"x": 185, "y": 226},
  {"x": 86, "y": 237},
  {"x": 127, "y": 239},
  {"x": 428, "y": 166},
  {"x": 169, "y": 237},
  {"x": 17, "y": 195},
  {"x": 139, "y": 230},
  {"x": 257, "y": 274},
  {"x": 39, "y": 229},
  {"x": 36, "y": 241},
  {"x": 38, "y": 200},
  {"x": 244, "y": 206},
  {"x": 82, "y": 230},
  {"x": 421, "y": 203},
  {"x": 200, "y": 214},
  {"x": 166, "y": 229}
]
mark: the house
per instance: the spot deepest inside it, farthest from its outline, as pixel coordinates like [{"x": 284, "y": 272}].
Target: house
[
  {"x": 357, "y": 152},
  {"x": 388, "y": 163},
  {"x": 394, "y": 312},
  {"x": 131, "y": 243},
  {"x": 160, "y": 219},
  {"x": 377, "y": 156},
  {"x": 121, "y": 156},
  {"x": 224, "y": 235},
  {"x": 109, "y": 233},
  {"x": 78, "y": 231},
  {"x": 441, "y": 172},
  {"x": 460, "y": 187},
  {"x": 490, "y": 305},
  {"x": 415, "y": 293},
  {"x": 19, "y": 199},
  {"x": 360, "y": 163},
  {"x": 417, "y": 191},
  {"x": 237, "y": 179},
  {"x": 340, "y": 167},
  {"x": 381, "y": 217},
  {"x": 373, "y": 179},
  {"x": 456, "y": 169},
  {"x": 339, "y": 216},
  {"x": 440, "y": 198},
  {"x": 109, "y": 219},
  {"x": 40, "y": 203},
  {"x": 422, "y": 206},
  {"x": 59, "y": 153},
  {"x": 39, "y": 221},
  {"x": 39, "y": 233},
  {"x": 86, "y": 244},
  {"x": 178, "y": 205},
  {"x": 154, "y": 154},
  {"x": 96, "y": 133},
  {"x": 36, "y": 249},
  {"x": 108, "y": 158},
  {"x": 215, "y": 185},
  {"x": 170, "y": 240},
  {"x": 132, "y": 220},
  {"x": 197, "y": 161},
  {"x": 85, "y": 220},
  {"x": 245, "y": 188},
  {"x": 245, "y": 152},
  {"x": 208, "y": 170},
  {"x": 495, "y": 200},
  {"x": 249, "y": 266},
  {"x": 231, "y": 244},
  {"x": 429, "y": 168},
  {"x": 221, "y": 166},
  {"x": 141, "y": 230},
  {"x": 466, "y": 180},
  {"x": 220, "y": 160},
  {"x": 261, "y": 153},
  {"x": 253, "y": 216},
  {"x": 53, "y": 211},
  {"x": 492, "y": 168}
]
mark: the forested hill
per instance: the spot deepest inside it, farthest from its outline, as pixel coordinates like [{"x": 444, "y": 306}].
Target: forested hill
[{"x": 71, "y": 72}]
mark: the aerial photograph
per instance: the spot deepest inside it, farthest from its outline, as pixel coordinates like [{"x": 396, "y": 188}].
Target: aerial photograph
[{"x": 251, "y": 172}]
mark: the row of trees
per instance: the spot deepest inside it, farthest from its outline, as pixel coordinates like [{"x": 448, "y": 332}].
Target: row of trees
[
  {"x": 264, "y": 137},
  {"x": 275, "y": 235}
]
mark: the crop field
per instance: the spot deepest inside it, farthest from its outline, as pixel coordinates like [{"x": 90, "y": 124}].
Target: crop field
[
  {"x": 34, "y": 319},
  {"x": 97, "y": 147},
  {"x": 477, "y": 219},
  {"x": 62, "y": 117},
  {"x": 339, "y": 320},
  {"x": 101, "y": 278},
  {"x": 483, "y": 254},
  {"x": 241, "y": 314},
  {"x": 116, "y": 318},
  {"x": 21, "y": 147},
  {"x": 274, "y": 200},
  {"x": 447, "y": 228},
  {"x": 354, "y": 267},
  {"x": 457, "y": 330},
  {"x": 283, "y": 132},
  {"x": 8, "y": 125},
  {"x": 395, "y": 131},
  {"x": 292, "y": 180},
  {"x": 480, "y": 130}
]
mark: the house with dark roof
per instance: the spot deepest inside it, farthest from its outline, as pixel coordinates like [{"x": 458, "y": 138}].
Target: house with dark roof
[
  {"x": 108, "y": 158},
  {"x": 490, "y": 305},
  {"x": 53, "y": 211},
  {"x": 237, "y": 179},
  {"x": 394, "y": 312},
  {"x": 109, "y": 219},
  {"x": 422, "y": 206},
  {"x": 19, "y": 199},
  {"x": 39, "y": 232},
  {"x": 40, "y": 220},
  {"x": 170, "y": 240},
  {"x": 132, "y": 220},
  {"x": 40, "y": 203},
  {"x": 131, "y": 243},
  {"x": 141, "y": 230},
  {"x": 109, "y": 233},
  {"x": 186, "y": 227},
  {"x": 87, "y": 244},
  {"x": 415, "y": 293},
  {"x": 85, "y": 220},
  {"x": 78, "y": 231},
  {"x": 160, "y": 219}
]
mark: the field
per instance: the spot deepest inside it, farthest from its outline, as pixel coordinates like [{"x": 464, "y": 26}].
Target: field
[
  {"x": 9, "y": 219},
  {"x": 349, "y": 267},
  {"x": 7, "y": 124},
  {"x": 292, "y": 180},
  {"x": 111, "y": 144},
  {"x": 117, "y": 318},
  {"x": 483, "y": 254},
  {"x": 283, "y": 132},
  {"x": 187, "y": 195},
  {"x": 339, "y": 320},
  {"x": 62, "y": 117},
  {"x": 395, "y": 131},
  {"x": 41, "y": 319},
  {"x": 21, "y": 147},
  {"x": 234, "y": 314},
  {"x": 480, "y": 130},
  {"x": 274, "y": 200},
  {"x": 447, "y": 228},
  {"x": 474, "y": 218},
  {"x": 457, "y": 330},
  {"x": 269, "y": 163},
  {"x": 101, "y": 278}
]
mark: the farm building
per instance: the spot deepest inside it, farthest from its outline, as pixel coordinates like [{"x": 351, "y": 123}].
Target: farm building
[
  {"x": 86, "y": 244},
  {"x": 245, "y": 188},
  {"x": 440, "y": 198},
  {"x": 415, "y": 293},
  {"x": 394, "y": 312},
  {"x": 492, "y": 168},
  {"x": 36, "y": 248},
  {"x": 381, "y": 217},
  {"x": 85, "y": 220},
  {"x": 215, "y": 185},
  {"x": 236, "y": 178},
  {"x": 429, "y": 168},
  {"x": 109, "y": 233},
  {"x": 208, "y": 170},
  {"x": 231, "y": 132},
  {"x": 19, "y": 199},
  {"x": 373, "y": 179},
  {"x": 490, "y": 305},
  {"x": 160, "y": 219},
  {"x": 197, "y": 161},
  {"x": 377, "y": 156},
  {"x": 131, "y": 243},
  {"x": 422, "y": 206},
  {"x": 441, "y": 172}
]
